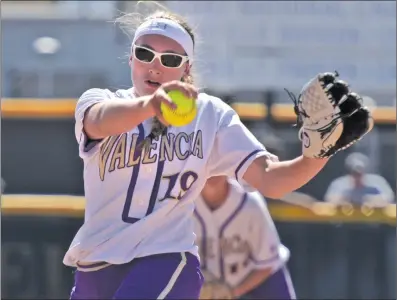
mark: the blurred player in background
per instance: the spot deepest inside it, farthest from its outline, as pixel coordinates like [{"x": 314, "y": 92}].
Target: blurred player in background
[
  {"x": 141, "y": 176},
  {"x": 358, "y": 187},
  {"x": 240, "y": 250}
]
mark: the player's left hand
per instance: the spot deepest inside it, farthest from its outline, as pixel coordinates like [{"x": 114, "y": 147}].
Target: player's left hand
[
  {"x": 331, "y": 117},
  {"x": 222, "y": 291},
  {"x": 214, "y": 288}
]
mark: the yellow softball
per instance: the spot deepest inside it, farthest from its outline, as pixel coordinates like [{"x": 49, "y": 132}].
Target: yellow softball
[{"x": 184, "y": 113}]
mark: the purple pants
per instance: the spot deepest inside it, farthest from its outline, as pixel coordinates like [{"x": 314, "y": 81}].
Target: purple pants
[
  {"x": 162, "y": 276},
  {"x": 277, "y": 287}
]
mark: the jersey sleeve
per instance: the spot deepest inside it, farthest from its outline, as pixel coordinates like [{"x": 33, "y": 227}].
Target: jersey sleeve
[
  {"x": 264, "y": 240},
  {"x": 88, "y": 98},
  {"x": 235, "y": 147}
]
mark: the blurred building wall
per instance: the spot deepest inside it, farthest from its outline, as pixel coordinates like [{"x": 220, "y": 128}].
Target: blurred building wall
[
  {"x": 92, "y": 53},
  {"x": 276, "y": 44},
  {"x": 58, "y": 10},
  {"x": 246, "y": 45}
]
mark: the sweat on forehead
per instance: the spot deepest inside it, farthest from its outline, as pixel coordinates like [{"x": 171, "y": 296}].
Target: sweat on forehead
[{"x": 167, "y": 28}]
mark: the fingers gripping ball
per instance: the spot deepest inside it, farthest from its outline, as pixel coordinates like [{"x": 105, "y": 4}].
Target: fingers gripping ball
[{"x": 185, "y": 112}]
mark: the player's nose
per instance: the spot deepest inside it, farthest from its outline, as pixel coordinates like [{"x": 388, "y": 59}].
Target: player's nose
[
  {"x": 154, "y": 72},
  {"x": 155, "y": 66}
]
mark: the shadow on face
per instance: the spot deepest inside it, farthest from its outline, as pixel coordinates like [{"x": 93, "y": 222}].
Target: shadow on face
[
  {"x": 215, "y": 183},
  {"x": 141, "y": 72}
]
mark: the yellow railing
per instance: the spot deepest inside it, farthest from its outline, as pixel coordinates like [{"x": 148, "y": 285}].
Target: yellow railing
[
  {"x": 64, "y": 108},
  {"x": 38, "y": 108},
  {"x": 73, "y": 206}
]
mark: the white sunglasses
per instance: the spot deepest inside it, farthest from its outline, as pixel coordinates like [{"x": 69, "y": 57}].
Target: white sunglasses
[{"x": 168, "y": 60}]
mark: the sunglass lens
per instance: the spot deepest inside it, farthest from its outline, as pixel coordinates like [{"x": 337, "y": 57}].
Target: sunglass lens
[
  {"x": 143, "y": 54},
  {"x": 171, "y": 61}
]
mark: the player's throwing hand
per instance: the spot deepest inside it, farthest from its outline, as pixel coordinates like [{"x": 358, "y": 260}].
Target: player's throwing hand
[{"x": 161, "y": 96}]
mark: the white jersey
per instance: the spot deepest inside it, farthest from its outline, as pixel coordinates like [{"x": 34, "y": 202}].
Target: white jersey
[
  {"x": 238, "y": 237},
  {"x": 140, "y": 204}
]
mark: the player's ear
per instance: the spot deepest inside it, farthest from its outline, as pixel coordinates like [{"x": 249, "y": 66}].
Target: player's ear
[{"x": 130, "y": 61}]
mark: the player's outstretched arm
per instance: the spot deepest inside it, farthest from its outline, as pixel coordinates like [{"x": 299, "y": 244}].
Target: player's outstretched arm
[
  {"x": 331, "y": 118},
  {"x": 107, "y": 118},
  {"x": 276, "y": 179}
]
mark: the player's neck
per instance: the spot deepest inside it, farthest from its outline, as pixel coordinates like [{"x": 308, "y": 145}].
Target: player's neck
[{"x": 215, "y": 198}]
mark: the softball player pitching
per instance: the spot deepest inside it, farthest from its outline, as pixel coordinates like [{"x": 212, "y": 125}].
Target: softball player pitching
[
  {"x": 141, "y": 176},
  {"x": 240, "y": 250}
]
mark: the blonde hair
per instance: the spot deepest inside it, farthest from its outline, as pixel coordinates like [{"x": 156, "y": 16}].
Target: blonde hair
[{"x": 129, "y": 22}]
